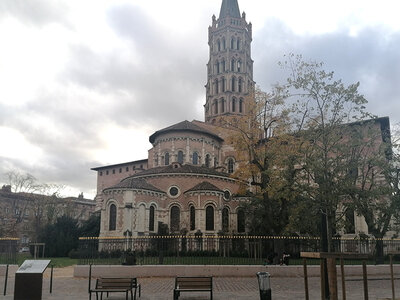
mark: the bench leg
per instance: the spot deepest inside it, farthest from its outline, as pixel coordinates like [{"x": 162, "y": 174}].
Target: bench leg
[
  {"x": 132, "y": 294},
  {"x": 126, "y": 295},
  {"x": 176, "y": 295},
  {"x": 211, "y": 295},
  {"x": 140, "y": 291}
]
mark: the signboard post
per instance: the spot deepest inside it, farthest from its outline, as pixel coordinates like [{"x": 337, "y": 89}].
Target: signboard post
[{"x": 29, "y": 280}]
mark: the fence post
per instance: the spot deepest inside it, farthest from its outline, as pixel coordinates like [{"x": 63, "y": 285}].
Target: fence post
[{"x": 5, "y": 281}]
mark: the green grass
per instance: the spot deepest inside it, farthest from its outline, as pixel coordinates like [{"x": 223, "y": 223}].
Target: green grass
[{"x": 57, "y": 262}]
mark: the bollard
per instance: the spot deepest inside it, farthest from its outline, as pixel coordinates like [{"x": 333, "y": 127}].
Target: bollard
[
  {"x": 264, "y": 285},
  {"x": 5, "y": 281}
]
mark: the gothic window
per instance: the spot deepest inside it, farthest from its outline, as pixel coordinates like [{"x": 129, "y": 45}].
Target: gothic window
[
  {"x": 223, "y": 84},
  {"x": 223, "y": 44},
  {"x": 238, "y": 44},
  {"x": 239, "y": 65},
  {"x": 241, "y": 105},
  {"x": 175, "y": 218},
  {"x": 232, "y": 65},
  {"x": 216, "y": 86},
  {"x": 166, "y": 159},
  {"x": 231, "y": 165},
  {"x": 112, "y": 225},
  {"x": 240, "y": 85},
  {"x": 233, "y": 83},
  {"x": 232, "y": 43},
  {"x": 233, "y": 105},
  {"x": 195, "y": 158},
  {"x": 151, "y": 218},
  {"x": 217, "y": 66},
  {"x": 222, "y": 105},
  {"x": 180, "y": 157},
  {"x": 207, "y": 160},
  {"x": 216, "y": 107},
  {"x": 225, "y": 219},
  {"x": 209, "y": 217},
  {"x": 192, "y": 218},
  {"x": 223, "y": 65},
  {"x": 219, "y": 45},
  {"x": 241, "y": 221}
]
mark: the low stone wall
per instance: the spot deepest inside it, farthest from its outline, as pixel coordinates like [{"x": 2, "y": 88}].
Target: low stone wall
[{"x": 220, "y": 271}]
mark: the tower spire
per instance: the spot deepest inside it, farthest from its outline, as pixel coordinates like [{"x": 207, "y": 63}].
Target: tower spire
[
  {"x": 230, "y": 67},
  {"x": 229, "y": 8}
]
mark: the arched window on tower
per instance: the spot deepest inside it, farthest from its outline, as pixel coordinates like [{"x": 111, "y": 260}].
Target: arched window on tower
[
  {"x": 233, "y": 84},
  {"x": 234, "y": 105},
  {"x": 216, "y": 86},
  {"x": 180, "y": 157},
  {"x": 217, "y": 66},
  {"x": 219, "y": 45},
  {"x": 166, "y": 159},
  {"x": 241, "y": 105},
  {"x": 223, "y": 65},
  {"x": 207, "y": 160},
  {"x": 151, "y": 218},
  {"x": 209, "y": 217},
  {"x": 238, "y": 44},
  {"x": 216, "y": 107},
  {"x": 240, "y": 85},
  {"x": 112, "y": 222},
  {"x": 192, "y": 218},
  {"x": 222, "y": 105},
  {"x": 231, "y": 165},
  {"x": 223, "y": 84},
  {"x": 233, "y": 65},
  {"x": 195, "y": 158},
  {"x": 223, "y": 44},
  {"x": 232, "y": 43},
  {"x": 239, "y": 65},
  {"x": 225, "y": 219},
  {"x": 241, "y": 221},
  {"x": 175, "y": 218}
]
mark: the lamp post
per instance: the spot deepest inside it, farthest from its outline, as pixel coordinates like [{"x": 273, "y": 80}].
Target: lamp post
[{"x": 264, "y": 285}]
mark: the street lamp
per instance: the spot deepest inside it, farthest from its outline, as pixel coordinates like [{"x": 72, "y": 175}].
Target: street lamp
[{"x": 264, "y": 285}]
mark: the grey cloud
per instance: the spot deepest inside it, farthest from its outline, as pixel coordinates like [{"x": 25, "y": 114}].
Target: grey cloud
[
  {"x": 36, "y": 12},
  {"x": 371, "y": 57}
]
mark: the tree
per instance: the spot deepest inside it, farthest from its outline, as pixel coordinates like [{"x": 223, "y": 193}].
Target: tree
[
  {"x": 91, "y": 227},
  {"x": 61, "y": 237},
  {"x": 267, "y": 148},
  {"x": 323, "y": 109},
  {"x": 31, "y": 200}
]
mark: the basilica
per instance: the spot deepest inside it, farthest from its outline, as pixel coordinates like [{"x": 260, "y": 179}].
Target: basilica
[{"x": 186, "y": 181}]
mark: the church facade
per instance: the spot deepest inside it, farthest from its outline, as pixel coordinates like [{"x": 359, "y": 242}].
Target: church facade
[{"x": 186, "y": 181}]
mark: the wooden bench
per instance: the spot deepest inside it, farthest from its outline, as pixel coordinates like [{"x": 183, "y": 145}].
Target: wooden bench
[
  {"x": 192, "y": 284},
  {"x": 111, "y": 285}
]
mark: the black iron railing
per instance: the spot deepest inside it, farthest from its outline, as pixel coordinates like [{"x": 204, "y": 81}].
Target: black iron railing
[
  {"x": 221, "y": 250},
  {"x": 8, "y": 251}
]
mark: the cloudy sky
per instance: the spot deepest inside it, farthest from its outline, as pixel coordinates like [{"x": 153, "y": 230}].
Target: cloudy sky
[{"x": 83, "y": 83}]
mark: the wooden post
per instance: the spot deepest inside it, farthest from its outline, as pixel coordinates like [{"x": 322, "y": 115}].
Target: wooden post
[
  {"x": 365, "y": 279},
  {"x": 343, "y": 279},
  {"x": 392, "y": 276},
  {"x": 332, "y": 278},
  {"x": 305, "y": 278},
  {"x": 322, "y": 275}
]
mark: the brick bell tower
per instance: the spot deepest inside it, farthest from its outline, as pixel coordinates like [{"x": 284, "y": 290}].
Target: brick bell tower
[{"x": 230, "y": 67}]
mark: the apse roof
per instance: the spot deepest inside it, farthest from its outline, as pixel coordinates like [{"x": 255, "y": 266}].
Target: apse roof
[
  {"x": 183, "y": 126},
  {"x": 177, "y": 168},
  {"x": 229, "y": 8},
  {"x": 135, "y": 183},
  {"x": 204, "y": 186}
]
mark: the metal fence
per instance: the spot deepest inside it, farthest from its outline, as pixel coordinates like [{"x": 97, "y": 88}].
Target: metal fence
[
  {"x": 8, "y": 250},
  {"x": 214, "y": 250}
]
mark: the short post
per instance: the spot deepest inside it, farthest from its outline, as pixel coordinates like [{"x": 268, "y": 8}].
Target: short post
[
  {"x": 5, "y": 281},
  {"x": 391, "y": 276},
  {"x": 264, "y": 285},
  {"x": 365, "y": 280},
  {"x": 305, "y": 278},
  {"x": 51, "y": 279}
]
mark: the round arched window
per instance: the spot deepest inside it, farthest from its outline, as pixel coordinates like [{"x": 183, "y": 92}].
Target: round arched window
[{"x": 227, "y": 195}]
